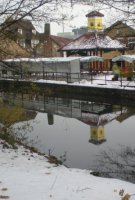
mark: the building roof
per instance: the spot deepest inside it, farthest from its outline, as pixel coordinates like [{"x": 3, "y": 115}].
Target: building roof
[
  {"x": 60, "y": 41},
  {"x": 94, "y": 14},
  {"x": 90, "y": 41},
  {"x": 128, "y": 24},
  {"x": 12, "y": 26}
]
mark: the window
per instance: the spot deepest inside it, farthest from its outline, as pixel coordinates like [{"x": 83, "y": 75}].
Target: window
[
  {"x": 91, "y": 24},
  {"x": 131, "y": 40},
  {"x": 34, "y": 43},
  {"x": 34, "y": 31},
  {"x": 21, "y": 42},
  {"x": 20, "y": 31}
]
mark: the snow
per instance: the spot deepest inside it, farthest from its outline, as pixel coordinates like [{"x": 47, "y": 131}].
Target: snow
[
  {"x": 28, "y": 176},
  {"x": 98, "y": 81},
  {"x": 44, "y": 60},
  {"x": 56, "y": 59},
  {"x": 91, "y": 59},
  {"x": 93, "y": 41},
  {"x": 128, "y": 58}
]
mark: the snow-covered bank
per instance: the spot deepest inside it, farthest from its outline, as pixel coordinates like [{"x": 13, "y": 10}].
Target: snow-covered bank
[
  {"x": 98, "y": 81},
  {"x": 29, "y": 176}
]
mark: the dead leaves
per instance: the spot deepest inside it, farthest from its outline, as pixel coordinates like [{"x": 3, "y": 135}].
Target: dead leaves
[{"x": 124, "y": 196}]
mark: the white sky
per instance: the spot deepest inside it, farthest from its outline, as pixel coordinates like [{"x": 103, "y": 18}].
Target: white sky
[{"x": 79, "y": 12}]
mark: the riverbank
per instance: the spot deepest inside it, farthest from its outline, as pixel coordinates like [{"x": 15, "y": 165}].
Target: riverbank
[
  {"x": 99, "y": 90},
  {"x": 27, "y": 175}
]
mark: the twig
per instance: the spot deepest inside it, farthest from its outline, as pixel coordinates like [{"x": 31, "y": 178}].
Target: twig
[
  {"x": 53, "y": 183},
  {"x": 132, "y": 194},
  {"x": 83, "y": 189}
]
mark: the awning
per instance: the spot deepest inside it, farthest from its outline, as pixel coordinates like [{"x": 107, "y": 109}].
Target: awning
[
  {"x": 91, "y": 59},
  {"x": 128, "y": 58},
  {"x": 44, "y": 60}
]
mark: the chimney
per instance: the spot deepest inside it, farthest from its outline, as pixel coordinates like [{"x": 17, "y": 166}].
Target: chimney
[{"x": 47, "y": 29}]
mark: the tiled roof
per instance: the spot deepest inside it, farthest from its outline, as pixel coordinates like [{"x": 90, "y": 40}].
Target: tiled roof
[
  {"x": 60, "y": 40},
  {"x": 94, "y": 14},
  {"x": 93, "y": 41},
  {"x": 130, "y": 24}
]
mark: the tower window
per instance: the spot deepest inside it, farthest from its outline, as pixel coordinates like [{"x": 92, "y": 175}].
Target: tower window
[
  {"x": 101, "y": 132},
  {"x": 91, "y": 24}
]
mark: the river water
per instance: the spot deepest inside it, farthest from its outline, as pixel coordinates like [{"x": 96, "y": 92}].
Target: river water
[{"x": 76, "y": 131}]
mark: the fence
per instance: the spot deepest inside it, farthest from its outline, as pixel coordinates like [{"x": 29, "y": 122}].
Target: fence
[{"x": 101, "y": 78}]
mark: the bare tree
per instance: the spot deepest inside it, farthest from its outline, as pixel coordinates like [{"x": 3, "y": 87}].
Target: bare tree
[
  {"x": 125, "y": 8},
  {"x": 116, "y": 164},
  {"x": 35, "y": 10},
  {"x": 42, "y": 11},
  {"x": 13, "y": 11}
]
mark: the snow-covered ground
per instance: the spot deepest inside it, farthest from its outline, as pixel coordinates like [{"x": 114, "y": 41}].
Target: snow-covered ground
[
  {"x": 98, "y": 81},
  {"x": 28, "y": 176}
]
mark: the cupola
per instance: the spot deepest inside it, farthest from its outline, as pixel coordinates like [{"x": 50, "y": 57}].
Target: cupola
[{"x": 95, "y": 21}]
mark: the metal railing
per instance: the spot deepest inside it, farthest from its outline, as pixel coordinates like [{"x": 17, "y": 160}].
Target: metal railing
[{"x": 101, "y": 78}]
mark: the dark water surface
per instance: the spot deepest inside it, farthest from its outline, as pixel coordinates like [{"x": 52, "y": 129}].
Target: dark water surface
[
  {"x": 72, "y": 136},
  {"x": 67, "y": 127}
]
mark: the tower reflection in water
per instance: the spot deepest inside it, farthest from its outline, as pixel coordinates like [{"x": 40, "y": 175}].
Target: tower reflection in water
[{"x": 96, "y": 115}]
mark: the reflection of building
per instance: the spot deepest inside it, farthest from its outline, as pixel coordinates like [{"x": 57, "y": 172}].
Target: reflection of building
[
  {"x": 97, "y": 134},
  {"x": 50, "y": 119},
  {"x": 95, "y": 115}
]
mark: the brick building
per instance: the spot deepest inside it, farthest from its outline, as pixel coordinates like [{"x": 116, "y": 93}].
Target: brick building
[
  {"x": 50, "y": 44},
  {"x": 124, "y": 32},
  {"x": 38, "y": 44}
]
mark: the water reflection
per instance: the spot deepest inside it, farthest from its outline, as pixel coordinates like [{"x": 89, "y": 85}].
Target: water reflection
[
  {"x": 81, "y": 128},
  {"x": 93, "y": 114}
]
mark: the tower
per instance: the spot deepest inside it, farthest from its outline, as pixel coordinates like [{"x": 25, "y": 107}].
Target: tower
[
  {"x": 97, "y": 134},
  {"x": 95, "y": 21}
]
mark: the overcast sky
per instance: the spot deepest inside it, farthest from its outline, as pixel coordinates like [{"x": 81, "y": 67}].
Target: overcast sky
[
  {"x": 79, "y": 12},
  {"x": 80, "y": 19}
]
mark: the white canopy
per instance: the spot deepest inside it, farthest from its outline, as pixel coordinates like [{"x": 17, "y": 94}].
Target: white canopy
[
  {"x": 44, "y": 60},
  {"x": 128, "y": 58},
  {"x": 91, "y": 59},
  {"x": 57, "y": 59}
]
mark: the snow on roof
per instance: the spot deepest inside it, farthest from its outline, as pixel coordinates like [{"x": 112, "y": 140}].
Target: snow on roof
[
  {"x": 91, "y": 59},
  {"x": 93, "y": 119},
  {"x": 56, "y": 59},
  {"x": 46, "y": 60},
  {"x": 128, "y": 58},
  {"x": 93, "y": 41}
]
